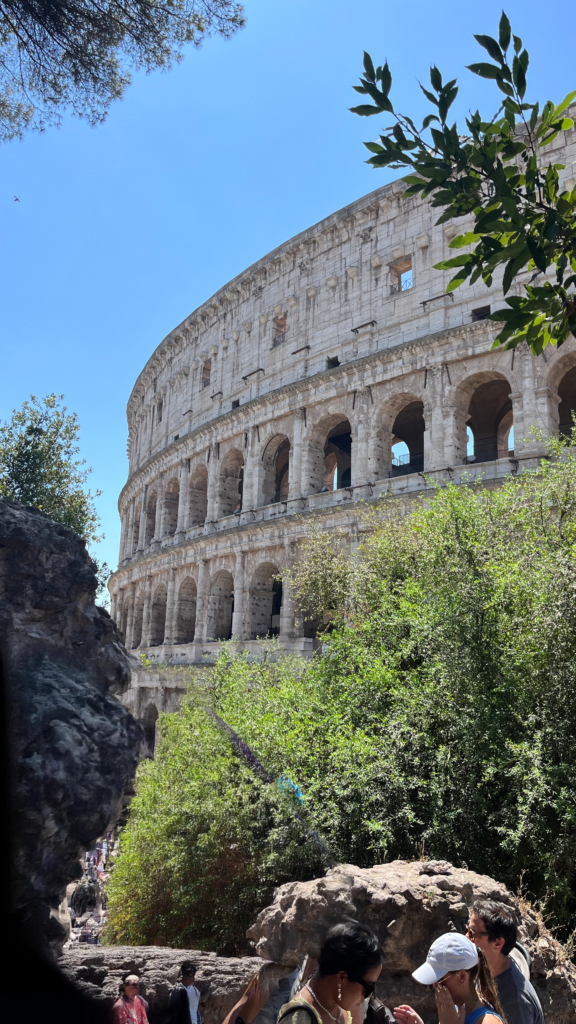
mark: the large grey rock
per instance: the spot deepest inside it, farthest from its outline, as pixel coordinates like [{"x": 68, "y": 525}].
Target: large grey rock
[
  {"x": 74, "y": 747},
  {"x": 98, "y": 971},
  {"x": 408, "y": 905}
]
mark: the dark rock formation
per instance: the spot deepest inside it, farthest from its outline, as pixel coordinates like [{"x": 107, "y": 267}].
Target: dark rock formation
[
  {"x": 408, "y": 905},
  {"x": 98, "y": 971},
  {"x": 73, "y": 746}
]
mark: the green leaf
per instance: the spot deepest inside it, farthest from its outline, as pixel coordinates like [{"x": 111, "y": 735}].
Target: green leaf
[
  {"x": 517, "y": 44},
  {"x": 365, "y": 110},
  {"x": 537, "y": 253},
  {"x": 565, "y": 103},
  {"x": 428, "y": 120},
  {"x": 567, "y": 123},
  {"x": 436, "y": 78},
  {"x": 534, "y": 116},
  {"x": 461, "y": 240},
  {"x": 369, "y": 67},
  {"x": 491, "y": 46},
  {"x": 484, "y": 70},
  {"x": 429, "y": 95},
  {"x": 504, "y": 32},
  {"x": 359, "y": 88},
  {"x": 374, "y": 147},
  {"x": 386, "y": 79}
]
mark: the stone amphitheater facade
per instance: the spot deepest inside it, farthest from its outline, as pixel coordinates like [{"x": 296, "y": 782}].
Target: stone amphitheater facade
[{"x": 280, "y": 400}]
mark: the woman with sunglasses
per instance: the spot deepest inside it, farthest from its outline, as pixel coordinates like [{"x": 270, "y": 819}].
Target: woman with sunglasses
[
  {"x": 349, "y": 964},
  {"x": 462, "y": 982}
]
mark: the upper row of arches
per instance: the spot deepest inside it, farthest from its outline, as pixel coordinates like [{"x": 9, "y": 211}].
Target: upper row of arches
[{"x": 327, "y": 458}]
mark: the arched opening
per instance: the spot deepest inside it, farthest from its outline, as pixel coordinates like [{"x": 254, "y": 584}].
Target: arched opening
[
  {"x": 567, "y": 396},
  {"x": 158, "y": 616},
  {"x": 186, "y": 613},
  {"x": 231, "y": 483},
  {"x": 338, "y": 457},
  {"x": 149, "y": 723},
  {"x": 138, "y": 619},
  {"x": 408, "y": 440},
  {"x": 220, "y": 607},
  {"x": 490, "y": 419},
  {"x": 198, "y": 497},
  {"x": 265, "y": 602},
  {"x": 171, "y": 499},
  {"x": 150, "y": 518},
  {"x": 135, "y": 530},
  {"x": 276, "y": 460}
]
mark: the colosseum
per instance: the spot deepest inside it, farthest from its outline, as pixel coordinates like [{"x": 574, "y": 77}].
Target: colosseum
[{"x": 332, "y": 372}]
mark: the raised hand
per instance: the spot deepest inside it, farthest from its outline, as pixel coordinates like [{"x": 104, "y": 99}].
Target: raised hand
[{"x": 406, "y": 1015}]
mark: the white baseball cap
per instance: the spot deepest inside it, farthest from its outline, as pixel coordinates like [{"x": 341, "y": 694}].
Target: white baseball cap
[{"x": 451, "y": 952}]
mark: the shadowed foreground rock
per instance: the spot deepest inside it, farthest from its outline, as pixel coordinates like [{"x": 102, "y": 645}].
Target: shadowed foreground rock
[
  {"x": 73, "y": 746},
  {"x": 408, "y": 905},
  {"x": 98, "y": 970}
]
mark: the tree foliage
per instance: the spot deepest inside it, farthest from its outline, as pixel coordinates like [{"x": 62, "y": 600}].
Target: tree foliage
[
  {"x": 497, "y": 175},
  {"x": 440, "y": 718},
  {"x": 206, "y": 842},
  {"x": 76, "y": 53},
  {"x": 38, "y": 466}
]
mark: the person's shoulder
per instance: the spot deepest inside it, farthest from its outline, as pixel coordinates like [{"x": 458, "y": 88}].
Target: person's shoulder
[{"x": 300, "y": 1011}]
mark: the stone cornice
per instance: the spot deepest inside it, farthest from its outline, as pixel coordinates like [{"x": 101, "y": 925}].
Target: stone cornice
[{"x": 170, "y": 452}]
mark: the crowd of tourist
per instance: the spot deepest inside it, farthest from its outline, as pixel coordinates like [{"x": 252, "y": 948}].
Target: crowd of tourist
[
  {"x": 87, "y": 898},
  {"x": 481, "y": 977}
]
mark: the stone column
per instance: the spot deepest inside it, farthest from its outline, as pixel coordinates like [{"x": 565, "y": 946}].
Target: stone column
[
  {"x": 211, "y": 496},
  {"x": 159, "y": 523},
  {"x": 129, "y": 638},
  {"x": 238, "y": 614},
  {"x": 182, "y": 500},
  {"x": 295, "y": 465},
  {"x": 170, "y": 609},
  {"x": 123, "y": 533},
  {"x": 434, "y": 454},
  {"x": 147, "y": 614},
  {"x": 142, "y": 524},
  {"x": 287, "y": 606},
  {"x": 129, "y": 544},
  {"x": 114, "y": 601},
  {"x": 359, "y": 454},
  {"x": 201, "y": 602}
]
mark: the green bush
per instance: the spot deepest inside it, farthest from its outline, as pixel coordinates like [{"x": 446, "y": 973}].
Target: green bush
[{"x": 439, "y": 719}]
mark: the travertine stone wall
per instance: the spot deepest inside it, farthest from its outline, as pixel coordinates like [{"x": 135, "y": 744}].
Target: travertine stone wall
[{"x": 281, "y": 397}]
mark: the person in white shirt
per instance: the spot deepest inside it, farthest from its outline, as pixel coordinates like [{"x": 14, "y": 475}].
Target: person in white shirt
[{"x": 185, "y": 998}]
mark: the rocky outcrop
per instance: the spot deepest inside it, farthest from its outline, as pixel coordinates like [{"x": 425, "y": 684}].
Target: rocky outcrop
[
  {"x": 98, "y": 971},
  {"x": 408, "y": 905},
  {"x": 73, "y": 746}
]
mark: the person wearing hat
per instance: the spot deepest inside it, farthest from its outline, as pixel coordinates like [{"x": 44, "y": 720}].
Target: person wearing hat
[
  {"x": 183, "y": 1005},
  {"x": 130, "y": 1008},
  {"x": 463, "y": 985}
]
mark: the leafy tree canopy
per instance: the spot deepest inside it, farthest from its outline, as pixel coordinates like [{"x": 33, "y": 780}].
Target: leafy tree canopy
[
  {"x": 76, "y": 53},
  {"x": 38, "y": 466},
  {"x": 497, "y": 175},
  {"x": 440, "y": 719}
]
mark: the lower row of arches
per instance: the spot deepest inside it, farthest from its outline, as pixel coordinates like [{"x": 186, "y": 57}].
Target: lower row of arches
[{"x": 186, "y": 622}]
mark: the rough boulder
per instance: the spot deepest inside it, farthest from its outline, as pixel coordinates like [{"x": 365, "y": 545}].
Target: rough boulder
[
  {"x": 98, "y": 971},
  {"x": 73, "y": 746},
  {"x": 408, "y": 905}
]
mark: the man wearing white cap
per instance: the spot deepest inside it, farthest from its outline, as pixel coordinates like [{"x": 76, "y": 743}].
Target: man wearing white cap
[{"x": 461, "y": 980}]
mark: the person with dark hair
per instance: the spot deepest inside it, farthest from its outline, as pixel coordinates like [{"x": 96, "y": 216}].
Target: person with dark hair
[
  {"x": 184, "y": 1002},
  {"x": 130, "y": 1008},
  {"x": 494, "y": 930},
  {"x": 463, "y": 985},
  {"x": 349, "y": 965}
]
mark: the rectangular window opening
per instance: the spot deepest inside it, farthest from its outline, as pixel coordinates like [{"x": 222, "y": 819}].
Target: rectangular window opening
[
  {"x": 279, "y": 331},
  {"x": 401, "y": 275},
  {"x": 206, "y": 369},
  {"x": 482, "y": 313},
  {"x": 159, "y": 411},
  {"x": 332, "y": 362},
  {"x": 236, "y": 403}
]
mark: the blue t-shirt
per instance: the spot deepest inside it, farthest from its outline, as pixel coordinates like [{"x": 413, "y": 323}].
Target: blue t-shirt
[
  {"x": 517, "y": 997},
  {"x": 475, "y": 1015}
]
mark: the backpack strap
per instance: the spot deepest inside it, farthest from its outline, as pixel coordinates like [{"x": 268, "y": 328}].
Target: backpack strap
[{"x": 294, "y": 1009}]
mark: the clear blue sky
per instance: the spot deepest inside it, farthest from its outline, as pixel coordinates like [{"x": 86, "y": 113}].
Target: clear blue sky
[{"x": 121, "y": 231}]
